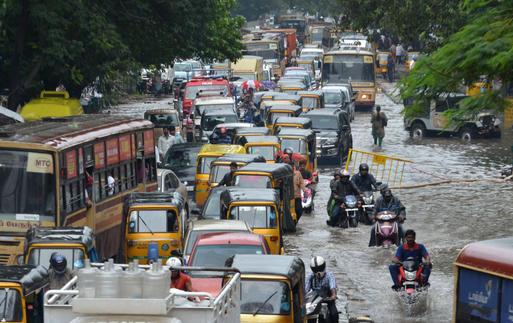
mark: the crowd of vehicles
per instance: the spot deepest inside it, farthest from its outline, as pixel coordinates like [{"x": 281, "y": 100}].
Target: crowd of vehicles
[{"x": 93, "y": 187}]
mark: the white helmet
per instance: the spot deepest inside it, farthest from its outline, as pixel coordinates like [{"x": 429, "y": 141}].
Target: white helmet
[
  {"x": 174, "y": 262},
  {"x": 317, "y": 264}
]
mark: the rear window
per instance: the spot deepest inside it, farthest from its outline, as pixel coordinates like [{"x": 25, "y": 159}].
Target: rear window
[
  {"x": 217, "y": 172},
  {"x": 74, "y": 257},
  {"x": 153, "y": 221},
  {"x": 253, "y": 181},
  {"x": 255, "y": 216},
  {"x": 216, "y": 255},
  {"x": 204, "y": 164}
]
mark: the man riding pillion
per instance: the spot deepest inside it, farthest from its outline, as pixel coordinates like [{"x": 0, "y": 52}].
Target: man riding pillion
[
  {"x": 414, "y": 250},
  {"x": 343, "y": 188},
  {"x": 388, "y": 202},
  {"x": 363, "y": 180},
  {"x": 324, "y": 284}
]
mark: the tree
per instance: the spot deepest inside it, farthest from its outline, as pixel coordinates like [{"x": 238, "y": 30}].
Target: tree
[
  {"x": 43, "y": 43},
  {"x": 427, "y": 22},
  {"x": 483, "y": 47}
]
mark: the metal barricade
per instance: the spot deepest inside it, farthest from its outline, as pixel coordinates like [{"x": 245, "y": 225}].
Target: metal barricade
[{"x": 384, "y": 168}]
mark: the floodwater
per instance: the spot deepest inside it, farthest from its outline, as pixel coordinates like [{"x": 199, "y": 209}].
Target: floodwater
[{"x": 446, "y": 218}]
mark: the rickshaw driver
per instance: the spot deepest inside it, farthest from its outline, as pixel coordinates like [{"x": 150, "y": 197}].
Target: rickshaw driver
[
  {"x": 304, "y": 172},
  {"x": 224, "y": 137},
  {"x": 227, "y": 178},
  {"x": 323, "y": 282}
]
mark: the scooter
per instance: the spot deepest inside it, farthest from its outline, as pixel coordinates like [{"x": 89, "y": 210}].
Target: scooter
[
  {"x": 316, "y": 308},
  {"x": 387, "y": 229},
  {"x": 410, "y": 280},
  {"x": 307, "y": 197}
]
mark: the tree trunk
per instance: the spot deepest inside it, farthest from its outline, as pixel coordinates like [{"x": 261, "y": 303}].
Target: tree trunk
[{"x": 15, "y": 86}]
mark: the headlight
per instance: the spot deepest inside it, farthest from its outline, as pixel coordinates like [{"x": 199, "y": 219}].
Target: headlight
[
  {"x": 367, "y": 200},
  {"x": 410, "y": 275},
  {"x": 364, "y": 96}
]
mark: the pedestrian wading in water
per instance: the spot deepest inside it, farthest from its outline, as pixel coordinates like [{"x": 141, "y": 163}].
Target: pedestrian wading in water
[{"x": 379, "y": 122}]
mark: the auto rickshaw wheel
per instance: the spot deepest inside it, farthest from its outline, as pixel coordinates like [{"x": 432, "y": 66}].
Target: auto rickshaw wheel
[{"x": 418, "y": 130}]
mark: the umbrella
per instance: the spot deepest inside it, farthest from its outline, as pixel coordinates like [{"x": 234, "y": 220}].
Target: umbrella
[{"x": 251, "y": 84}]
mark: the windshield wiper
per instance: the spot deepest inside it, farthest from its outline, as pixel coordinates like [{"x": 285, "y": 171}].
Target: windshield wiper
[
  {"x": 146, "y": 225},
  {"x": 263, "y": 304}
]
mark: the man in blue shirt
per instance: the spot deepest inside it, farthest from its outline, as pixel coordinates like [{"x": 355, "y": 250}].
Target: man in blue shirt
[
  {"x": 324, "y": 284},
  {"x": 414, "y": 250}
]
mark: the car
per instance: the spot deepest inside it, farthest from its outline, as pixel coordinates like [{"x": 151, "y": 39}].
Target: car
[
  {"x": 230, "y": 129},
  {"x": 214, "y": 250},
  {"x": 299, "y": 71},
  {"x": 169, "y": 182},
  {"x": 202, "y": 104},
  {"x": 199, "y": 227},
  {"x": 211, "y": 118},
  {"x": 349, "y": 97},
  {"x": 333, "y": 131},
  {"x": 181, "y": 159},
  {"x": 337, "y": 97},
  {"x": 432, "y": 121}
]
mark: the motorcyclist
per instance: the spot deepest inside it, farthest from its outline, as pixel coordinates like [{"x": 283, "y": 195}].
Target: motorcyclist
[
  {"x": 414, "y": 250},
  {"x": 388, "y": 202},
  {"x": 324, "y": 284},
  {"x": 333, "y": 185},
  {"x": 250, "y": 109},
  {"x": 343, "y": 188},
  {"x": 224, "y": 137},
  {"x": 363, "y": 180},
  {"x": 59, "y": 274},
  {"x": 304, "y": 172}
]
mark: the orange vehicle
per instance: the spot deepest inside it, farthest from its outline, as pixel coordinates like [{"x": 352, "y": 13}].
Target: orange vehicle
[
  {"x": 198, "y": 85},
  {"x": 291, "y": 45},
  {"x": 73, "y": 171}
]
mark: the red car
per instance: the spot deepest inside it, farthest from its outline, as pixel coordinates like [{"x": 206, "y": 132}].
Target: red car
[{"x": 213, "y": 249}]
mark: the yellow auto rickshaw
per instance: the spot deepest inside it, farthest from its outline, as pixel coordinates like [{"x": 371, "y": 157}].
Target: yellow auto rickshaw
[
  {"x": 241, "y": 133},
  {"x": 275, "y": 111},
  {"x": 311, "y": 100},
  {"x": 259, "y": 208},
  {"x": 221, "y": 166},
  {"x": 291, "y": 122},
  {"x": 207, "y": 154},
  {"x": 280, "y": 97},
  {"x": 51, "y": 104},
  {"x": 278, "y": 176},
  {"x": 267, "y": 146},
  {"x": 303, "y": 142},
  {"x": 281, "y": 276},
  {"x": 22, "y": 289},
  {"x": 482, "y": 86},
  {"x": 76, "y": 244},
  {"x": 292, "y": 87},
  {"x": 155, "y": 225},
  {"x": 382, "y": 63}
]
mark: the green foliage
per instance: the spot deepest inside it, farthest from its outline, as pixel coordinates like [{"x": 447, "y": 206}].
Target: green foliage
[
  {"x": 44, "y": 43},
  {"x": 428, "y": 22},
  {"x": 483, "y": 47}
]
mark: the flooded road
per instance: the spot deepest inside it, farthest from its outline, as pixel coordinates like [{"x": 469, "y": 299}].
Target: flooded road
[{"x": 446, "y": 218}]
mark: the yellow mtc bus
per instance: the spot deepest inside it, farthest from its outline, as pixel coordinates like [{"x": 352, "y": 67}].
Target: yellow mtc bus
[
  {"x": 72, "y": 171},
  {"x": 352, "y": 66}
]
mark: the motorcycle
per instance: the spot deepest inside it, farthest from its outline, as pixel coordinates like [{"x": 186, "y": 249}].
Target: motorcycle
[
  {"x": 307, "y": 198},
  {"x": 410, "y": 280},
  {"x": 387, "y": 229},
  {"x": 316, "y": 308},
  {"x": 368, "y": 207},
  {"x": 352, "y": 208}
]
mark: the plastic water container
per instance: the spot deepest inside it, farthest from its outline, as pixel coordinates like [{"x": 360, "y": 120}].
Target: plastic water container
[
  {"x": 107, "y": 281},
  {"x": 153, "y": 251},
  {"x": 87, "y": 281},
  {"x": 132, "y": 281},
  {"x": 156, "y": 281}
]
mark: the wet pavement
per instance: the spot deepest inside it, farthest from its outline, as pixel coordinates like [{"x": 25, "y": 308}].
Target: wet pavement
[{"x": 446, "y": 218}]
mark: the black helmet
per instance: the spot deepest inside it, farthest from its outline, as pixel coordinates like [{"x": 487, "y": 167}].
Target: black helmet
[
  {"x": 58, "y": 262},
  {"x": 364, "y": 167},
  {"x": 387, "y": 193}
]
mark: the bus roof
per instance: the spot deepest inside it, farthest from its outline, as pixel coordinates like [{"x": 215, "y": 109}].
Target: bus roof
[
  {"x": 61, "y": 133},
  {"x": 490, "y": 256},
  {"x": 349, "y": 52}
]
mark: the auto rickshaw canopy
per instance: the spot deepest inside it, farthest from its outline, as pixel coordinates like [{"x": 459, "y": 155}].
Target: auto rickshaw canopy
[
  {"x": 30, "y": 278},
  {"x": 290, "y": 267},
  {"x": 239, "y": 194},
  {"x": 64, "y": 235},
  {"x": 263, "y": 139},
  {"x": 252, "y": 131},
  {"x": 240, "y": 158},
  {"x": 300, "y": 122},
  {"x": 307, "y": 134},
  {"x": 168, "y": 199},
  {"x": 277, "y": 171}
]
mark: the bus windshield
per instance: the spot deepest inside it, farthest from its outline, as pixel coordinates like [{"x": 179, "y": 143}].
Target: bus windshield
[
  {"x": 342, "y": 68},
  {"x": 27, "y": 185}
]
